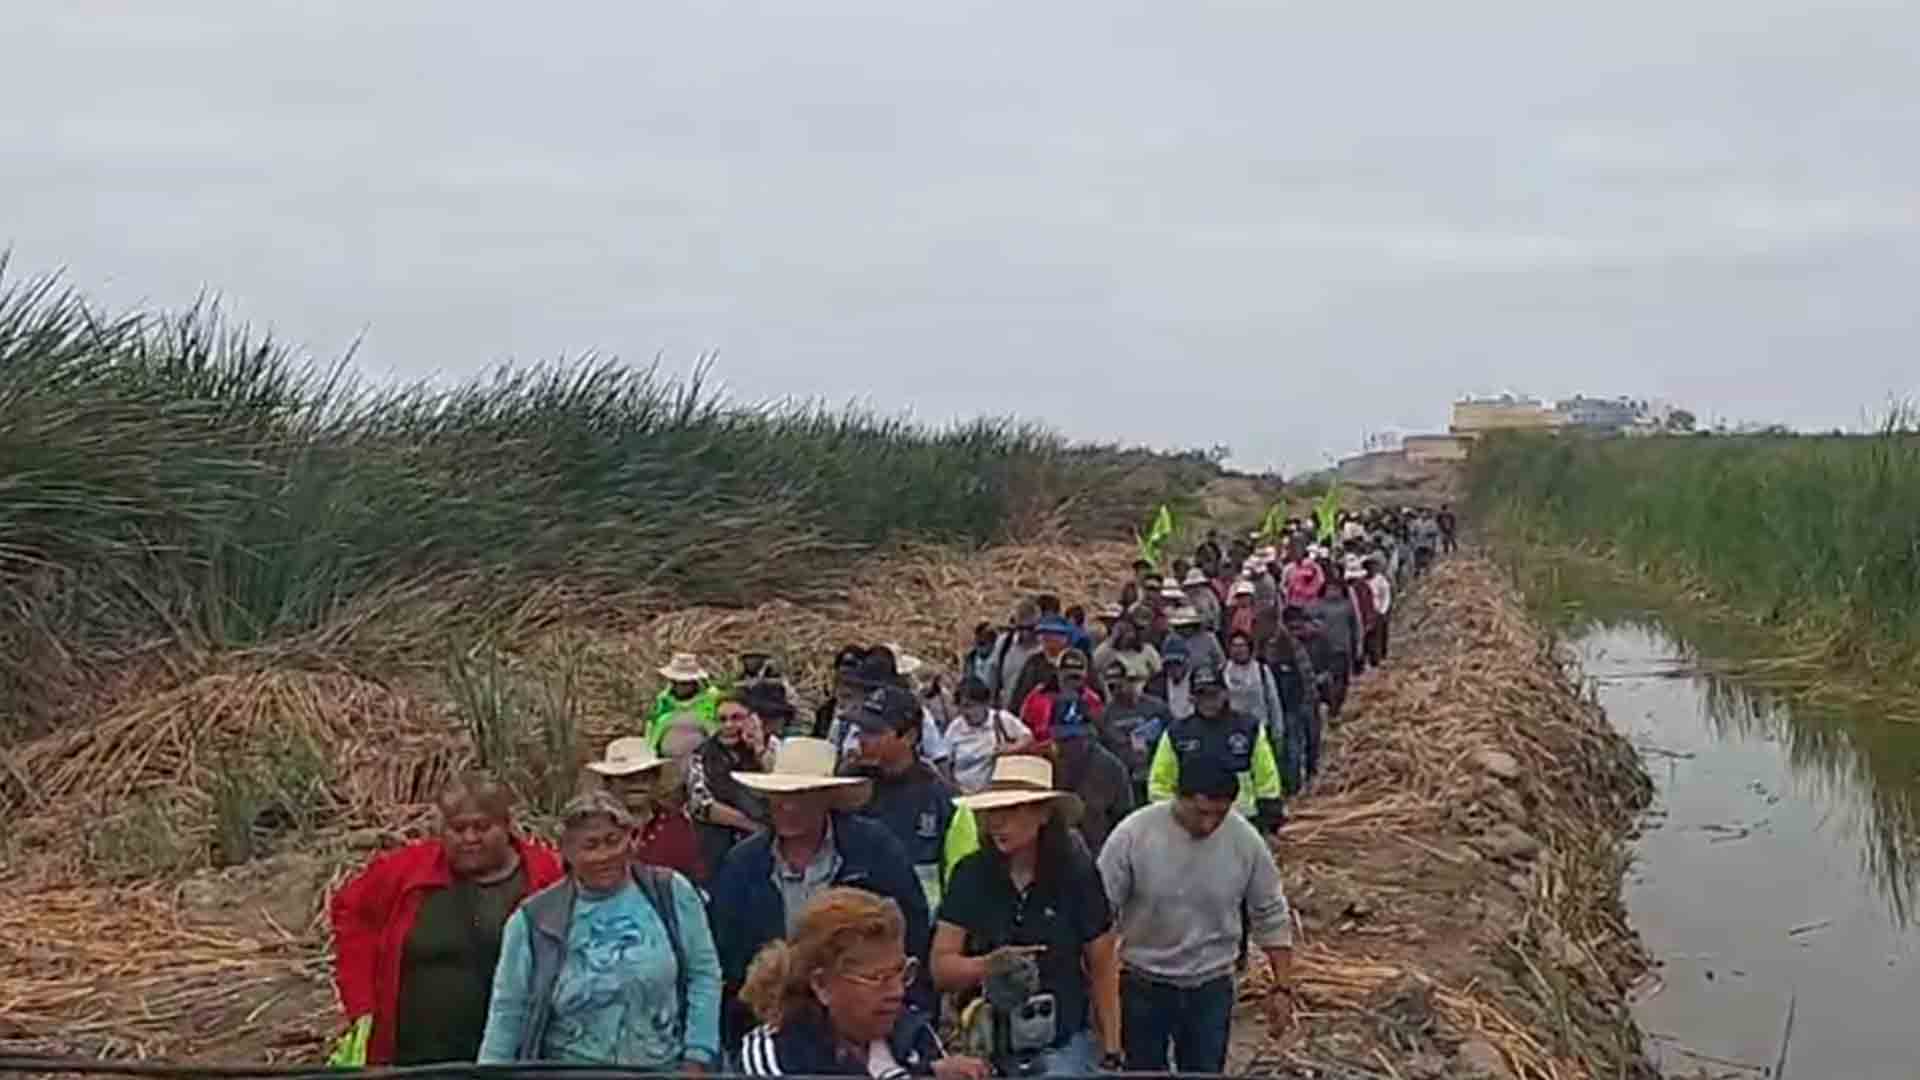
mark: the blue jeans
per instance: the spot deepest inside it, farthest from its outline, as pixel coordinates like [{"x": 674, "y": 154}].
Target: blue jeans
[
  {"x": 1196, "y": 1020},
  {"x": 1078, "y": 1056}
]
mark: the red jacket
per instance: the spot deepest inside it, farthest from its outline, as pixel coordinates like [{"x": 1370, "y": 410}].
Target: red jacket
[
  {"x": 1037, "y": 712},
  {"x": 373, "y": 913}
]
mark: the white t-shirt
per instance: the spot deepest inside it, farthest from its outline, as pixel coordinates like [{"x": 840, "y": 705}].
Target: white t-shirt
[{"x": 974, "y": 748}]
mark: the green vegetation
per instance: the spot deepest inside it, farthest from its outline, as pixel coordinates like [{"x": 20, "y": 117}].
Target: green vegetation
[
  {"x": 172, "y": 486},
  {"x": 1817, "y": 534}
]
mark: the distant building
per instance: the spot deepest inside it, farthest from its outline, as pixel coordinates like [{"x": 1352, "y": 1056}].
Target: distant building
[
  {"x": 1473, "y": 417},
  {"x": 1435, "y": 449},
  {"x": 1601, "y": 414}
]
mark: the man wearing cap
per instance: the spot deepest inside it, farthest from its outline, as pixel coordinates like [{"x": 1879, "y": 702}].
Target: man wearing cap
[
  {"x": 909, "y": 797},
  {"x": 685, "y": 708},
  {"x": 814, "y": 843},
  {"x": 1060, "y": 692},
  {"x": 1056, "y": 637},
  {"x": 878, "y": 667},
  {"x": 1188, "y": 878},
  {"x": 1215, "y": 733},
  {"x": 1131, "y": 725},
  {"x": 1090, "y": 770},
  {"x": 1172, "y": 685},
  {"x": 663, "y": 834}
]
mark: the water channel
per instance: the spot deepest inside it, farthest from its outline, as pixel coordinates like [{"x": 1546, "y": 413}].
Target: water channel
[{"x": 1774, "y": 878}]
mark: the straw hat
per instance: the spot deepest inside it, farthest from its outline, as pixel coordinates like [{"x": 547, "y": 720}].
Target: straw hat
[
  {"x": 1020, "y": 779},
  {"x": 684, "y": 667},
  {"x": 1184, "y": 616},
  {"x": 624, "y": 757},
  {"x": 1241, "y": 588},
  {"x": 802, "y": 763},
  {"x": 1172, "y": 592},
  {"x": 1194, "y": 577},
  {"x": 1355, "y": 568}
]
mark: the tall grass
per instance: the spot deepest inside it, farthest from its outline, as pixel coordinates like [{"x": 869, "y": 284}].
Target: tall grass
[
  {"x": 173, "y": 485},
  {"x": 1817, "y": 531}
]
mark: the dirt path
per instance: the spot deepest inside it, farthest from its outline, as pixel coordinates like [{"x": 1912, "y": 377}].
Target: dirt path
[{"x": 1455, "y": 868}]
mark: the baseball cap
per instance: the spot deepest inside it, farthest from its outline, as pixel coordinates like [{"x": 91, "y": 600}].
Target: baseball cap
[
  {"x": 1073, "y": 660},
  {"x": 1205, "y": 677},
  {"x": 888, "y": 709},
  {"x": 1115, "y": 671},
  {"x": 1175, "y": 651},
  {"x": 1054, "y": 624}
]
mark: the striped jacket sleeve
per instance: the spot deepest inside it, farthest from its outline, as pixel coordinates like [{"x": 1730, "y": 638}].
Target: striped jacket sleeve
[{"x": 758, "y": 1055}]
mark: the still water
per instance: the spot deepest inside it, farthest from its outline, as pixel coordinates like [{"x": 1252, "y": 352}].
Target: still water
[{"x": 1774, "y": 878}]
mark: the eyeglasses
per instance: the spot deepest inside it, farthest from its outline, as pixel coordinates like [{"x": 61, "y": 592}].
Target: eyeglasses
[{"x": 902, "y": 975}]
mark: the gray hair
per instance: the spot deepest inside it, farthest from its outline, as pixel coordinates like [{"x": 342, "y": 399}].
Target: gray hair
[
  {"x": 483, "y": 790},
  {"x": 583, "y": 809}
]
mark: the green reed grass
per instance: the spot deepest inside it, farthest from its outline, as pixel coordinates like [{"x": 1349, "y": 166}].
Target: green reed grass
[
  {"x": 1821, "y": 531},
  {"x": 174, "y": 484}
]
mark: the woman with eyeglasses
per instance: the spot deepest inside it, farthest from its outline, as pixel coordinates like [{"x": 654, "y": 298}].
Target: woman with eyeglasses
[{"x": 832, "y": 998}]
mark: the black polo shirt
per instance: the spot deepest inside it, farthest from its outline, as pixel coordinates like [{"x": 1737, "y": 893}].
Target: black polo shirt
[{"x": 1063, "y": 910}]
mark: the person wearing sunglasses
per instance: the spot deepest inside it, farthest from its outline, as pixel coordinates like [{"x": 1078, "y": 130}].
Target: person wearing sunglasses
[{"x": 832, "y": 998}]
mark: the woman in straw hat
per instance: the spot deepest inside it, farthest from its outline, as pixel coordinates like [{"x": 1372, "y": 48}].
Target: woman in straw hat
[
  {"x": 683, "y": 714},
  {"x": 831, "y": 999},
  {"x": 1033, "y": 890},
  {"x": 645, "y": 783},
  {"x": 813, "y": 843}
]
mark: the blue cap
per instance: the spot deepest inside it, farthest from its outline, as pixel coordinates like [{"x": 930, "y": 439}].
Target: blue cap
[
  {"x": 1054, "y": 624},
  {"x": 1175, "y": 647},
  {"x": 888, "y": 709}
]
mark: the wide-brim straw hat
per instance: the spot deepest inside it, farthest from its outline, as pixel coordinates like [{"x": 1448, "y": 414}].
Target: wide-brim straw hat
[
  {"x": 1022, "y": 780},
  {"x": 1194, "y": 577},
  {"x": 802, "y": 763},
  {"x": 684, "y": 667},
  {"x": 625, "y": 757}
]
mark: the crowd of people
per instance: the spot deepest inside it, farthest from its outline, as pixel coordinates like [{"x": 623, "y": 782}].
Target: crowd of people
[{"x": 1061, "y": 849}]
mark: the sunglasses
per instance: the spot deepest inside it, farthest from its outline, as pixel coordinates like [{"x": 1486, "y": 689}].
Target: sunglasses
[{"x": 901, "y": 975}]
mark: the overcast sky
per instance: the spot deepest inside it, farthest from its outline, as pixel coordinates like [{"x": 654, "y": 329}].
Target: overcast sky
[{"x": 1276, "y": 225}]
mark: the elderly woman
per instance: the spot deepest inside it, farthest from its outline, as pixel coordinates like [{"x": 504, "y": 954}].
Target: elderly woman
[
  {"x": 1033, "y": 890},
  {"x": 832, "y": 998},
  {"x": 611, "y": 965},
  {"x": 416, "y": 934}
]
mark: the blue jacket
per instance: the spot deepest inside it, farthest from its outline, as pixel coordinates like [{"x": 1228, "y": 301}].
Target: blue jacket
[{"x": 746, "y": 909}]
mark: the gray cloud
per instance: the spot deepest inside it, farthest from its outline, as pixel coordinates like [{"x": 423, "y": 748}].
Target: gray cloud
[{"x": 1277, "y": 225}]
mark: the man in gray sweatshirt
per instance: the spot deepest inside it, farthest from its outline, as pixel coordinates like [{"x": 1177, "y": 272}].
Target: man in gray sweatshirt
[{"x": 1187, "y": 877}]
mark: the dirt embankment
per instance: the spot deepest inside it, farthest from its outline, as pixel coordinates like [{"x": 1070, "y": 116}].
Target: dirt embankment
[{"x": 1455, "y": 868}]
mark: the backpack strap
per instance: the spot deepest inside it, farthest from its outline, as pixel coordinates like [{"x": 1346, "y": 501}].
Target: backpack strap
[{"x": 656, "y": 884}]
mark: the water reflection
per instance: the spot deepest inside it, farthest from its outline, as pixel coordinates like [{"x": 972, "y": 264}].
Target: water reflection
[{"x": 1851, "y": 755}]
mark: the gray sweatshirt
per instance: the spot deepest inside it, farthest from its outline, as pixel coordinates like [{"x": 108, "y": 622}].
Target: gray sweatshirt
[{"x": 1179, "y": 898}]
